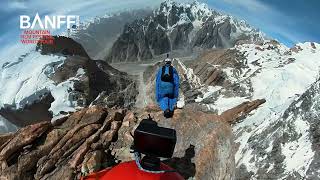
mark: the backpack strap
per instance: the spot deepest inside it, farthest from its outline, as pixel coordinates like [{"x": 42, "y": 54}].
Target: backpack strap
[
  {"x": 171, "y": 73},
  {"x": 163, "y": 70}
]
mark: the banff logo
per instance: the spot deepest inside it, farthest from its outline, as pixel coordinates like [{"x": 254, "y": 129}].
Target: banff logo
[
  {"x": 37, "y": 30},
  {"x": 53, "y": 22}
]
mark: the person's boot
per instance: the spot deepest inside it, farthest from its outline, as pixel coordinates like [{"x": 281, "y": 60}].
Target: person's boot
[{"x": 166, "y": 113}]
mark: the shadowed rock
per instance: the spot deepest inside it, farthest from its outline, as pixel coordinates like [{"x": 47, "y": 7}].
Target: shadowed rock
[
  {"x": 24, "y": 137},
  {"x": 62, "y": 45}
]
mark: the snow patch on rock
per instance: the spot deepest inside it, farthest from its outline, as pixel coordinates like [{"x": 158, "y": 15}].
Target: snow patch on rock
[{"x": 27, "y": 73}]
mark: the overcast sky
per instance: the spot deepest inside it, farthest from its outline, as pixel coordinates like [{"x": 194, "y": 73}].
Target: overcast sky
[{"x": 289, "y": 21}]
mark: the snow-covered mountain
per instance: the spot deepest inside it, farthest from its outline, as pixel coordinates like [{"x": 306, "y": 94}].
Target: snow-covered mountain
[
  {"x": 182, "y": 27},
  {"x": 279, "y": 140},
  {"x": 98, "y": 35},
  {"x": 49, "y": 81}
]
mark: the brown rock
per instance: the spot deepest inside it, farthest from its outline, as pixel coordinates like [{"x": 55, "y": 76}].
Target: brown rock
[
  {"x": 54, "y": 156},
  {"x": 59, "y": 152},
  {"x": 95, "y": 114},
  {"x": 62, "y": 172},
  {"x": 29, "y": 161},
  {"x": 129, "y": 119},
  {"x": 94, "y": 161},
  {"x": 241, "y": 111},
  {"x": 212, "y": 143},
  {"x": 152, "y": 107},
  {"x": 121, "y": 147},
  {"x": 87, "y": 138},
  {"x": 259, "y": 48},
  {"x": 119, "y": 115},
  {"x": 79, "y": 120},
  {"x": 72, "y": 120},
  {"x": 4, "y": 138},
  {"x": 78, "y": 156},
  {"x": 296, "y": 49},
  {"x": 23, "y": 137},
  {"x": 12, "y": 174}
]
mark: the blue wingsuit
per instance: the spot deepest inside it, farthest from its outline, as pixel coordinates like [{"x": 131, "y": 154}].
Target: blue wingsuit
[{"x": 164, "y": 88}]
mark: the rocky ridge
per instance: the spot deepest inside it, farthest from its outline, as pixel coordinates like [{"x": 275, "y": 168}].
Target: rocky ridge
[
  {"x": 180, "y": 27},
  {"x": 95, "y": 138},
  {"x": 278, "y": 140}
]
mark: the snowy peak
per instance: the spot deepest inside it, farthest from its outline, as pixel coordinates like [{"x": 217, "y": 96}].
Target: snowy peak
[
  {"x": 180, "y": 28},
  {"x": 278, "y": 140},
  {"x": 185, "y": 12}
]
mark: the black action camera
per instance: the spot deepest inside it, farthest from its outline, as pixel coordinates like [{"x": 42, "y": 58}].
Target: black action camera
[{"x": 155, "y": 141}]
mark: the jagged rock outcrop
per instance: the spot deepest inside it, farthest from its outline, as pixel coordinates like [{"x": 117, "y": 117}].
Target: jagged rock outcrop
[
  {"x": 44, "y": 151},
  {"x": 62, "y": 45},
  {"x": 31, "y": 112},
  {"x": 240, "y": 112},
  {"x": 179, "y": 27},
  {"x": 212, "y": 66},
  {"x": 95, "y": 138},
  {"x": 5, "y": 137}
]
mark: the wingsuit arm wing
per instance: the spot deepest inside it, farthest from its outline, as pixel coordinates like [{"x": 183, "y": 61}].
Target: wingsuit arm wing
[
  {"x": 176, "y": 81},
  {"x": 158, "y": 86}
]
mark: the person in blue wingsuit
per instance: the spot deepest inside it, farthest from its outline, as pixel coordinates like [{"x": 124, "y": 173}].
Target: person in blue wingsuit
[{"x": 167, "y": 88}]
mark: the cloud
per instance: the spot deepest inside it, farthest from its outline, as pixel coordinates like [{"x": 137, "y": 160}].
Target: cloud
[
  {"x": 251, "y": 5},
  {"x": 16, "y": 5}
]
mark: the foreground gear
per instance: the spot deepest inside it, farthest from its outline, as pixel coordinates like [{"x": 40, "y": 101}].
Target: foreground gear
[{"x": 154, "y": 142}]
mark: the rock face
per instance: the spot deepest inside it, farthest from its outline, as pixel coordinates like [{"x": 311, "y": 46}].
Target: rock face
[
  {"x": 278, "y": 140},
  {"x": 62, "y": 45},
  {"x": 45, "y": 151},
  {"x": 98, "y": 36},
  {"x": 179, "y": 27},
  {"x": 6, "y": 126},
  {"x": 64, "y": 80},
  {"x": 95, "y": 138},
  {"x": 204, "y": 138},
  {"x": 30, "y": 113},
  {"x": 297, "y": 130}
]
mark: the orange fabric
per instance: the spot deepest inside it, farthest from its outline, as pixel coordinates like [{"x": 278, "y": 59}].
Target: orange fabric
[{"x": 130, "y": 171}]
